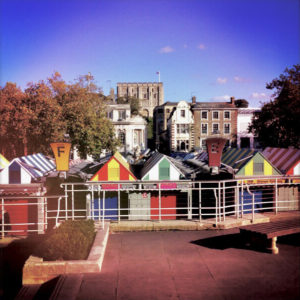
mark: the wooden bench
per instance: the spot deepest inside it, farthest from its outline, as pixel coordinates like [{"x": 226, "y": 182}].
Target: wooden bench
[{"x": 265, "y": 234}]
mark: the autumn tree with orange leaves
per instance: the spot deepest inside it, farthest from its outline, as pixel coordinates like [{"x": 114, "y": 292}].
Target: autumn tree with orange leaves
[{"x": 45, "y": 111}]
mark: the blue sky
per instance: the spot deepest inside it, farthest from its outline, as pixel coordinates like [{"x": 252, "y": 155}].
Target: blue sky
[{"x": 212, "y": 49}]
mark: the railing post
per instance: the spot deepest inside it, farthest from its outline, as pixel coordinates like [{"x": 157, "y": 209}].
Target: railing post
[
  {"x": 73, "y": 202},
  {"x": 119, "y": 202},
  {"x": 216, "y": 198},
  {"x": 2, "y": 218},
  {"x": 200, "y": 203},
  {"x": 224, "y": 205},
  {"x": 93, "y": 203},
  {"x": 219, "y": 201},
  {"x": 99, "y": 202},
  {"x": 189, "y": 203},
  {"x": 242, "y": 199},
  {"x": 236, "y": 202},
  {"x": 103, "y": 210},
  {"x": 46, "y": 212},
  {"x": 66, "y": 202},
  {"x": 159, "y": 202},
  {"x": 252, "y": 208},
  {"x": 276, "y": 196}
]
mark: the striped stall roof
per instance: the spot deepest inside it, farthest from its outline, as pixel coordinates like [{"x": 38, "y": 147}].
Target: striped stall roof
[
  {"x": 36, "y": 164},
  {"x": 3, "y": 162},
  {"x": 155, "y": 158},
  {"x": 202, "y": 156},
  {"x": 282, "y": 158},
  {"x": 237, "y": 158}
]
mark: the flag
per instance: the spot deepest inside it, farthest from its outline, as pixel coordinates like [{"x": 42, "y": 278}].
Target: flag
[{"x": 157, "y": 72}]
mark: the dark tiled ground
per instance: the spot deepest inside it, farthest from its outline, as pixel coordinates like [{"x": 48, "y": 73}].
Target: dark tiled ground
[{"x": 193, "y": 265}]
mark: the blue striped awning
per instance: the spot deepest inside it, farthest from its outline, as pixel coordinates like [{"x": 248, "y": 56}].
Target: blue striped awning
[{"x": 36, "y": 164}]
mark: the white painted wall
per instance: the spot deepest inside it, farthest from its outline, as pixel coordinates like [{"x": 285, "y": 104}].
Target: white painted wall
[
  {"x": 244, "y": 119},
  {"x": 297, "y": 169}
]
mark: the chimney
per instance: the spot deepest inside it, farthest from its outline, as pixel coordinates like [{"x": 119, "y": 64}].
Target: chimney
[
  {"x": 232, "y": 100},
  {"x": 215, "y": 147},
  {"x": 194, "y": 99},
  {"x": 112, "y": 94}
]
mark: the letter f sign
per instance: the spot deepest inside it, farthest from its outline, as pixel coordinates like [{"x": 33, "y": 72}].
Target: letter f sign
[{"x": 62, "y": 155}]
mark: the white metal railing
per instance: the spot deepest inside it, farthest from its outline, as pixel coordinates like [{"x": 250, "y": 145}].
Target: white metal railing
[{"x": 205, "y": 201}]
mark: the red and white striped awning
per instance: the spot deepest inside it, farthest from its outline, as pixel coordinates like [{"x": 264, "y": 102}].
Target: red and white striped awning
[{"x": 283, "y": 158}]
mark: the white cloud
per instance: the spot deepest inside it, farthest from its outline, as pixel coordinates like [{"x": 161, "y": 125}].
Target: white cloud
[
  {"x": 240, "y": 79},
  {"x": 221, "y": 80},
  {"x": 260, "y": 96},
  {"x": 220, "y": 98},
  {"x": 166, "y": 49},
  {"x": 201, "y": 46}
]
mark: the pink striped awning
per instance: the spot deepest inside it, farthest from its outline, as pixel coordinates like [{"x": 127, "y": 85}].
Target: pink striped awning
[{"x": 283, "y": 158}]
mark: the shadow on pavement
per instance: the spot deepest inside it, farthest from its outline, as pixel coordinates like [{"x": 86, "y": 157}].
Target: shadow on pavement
[
  {"x": 236, "y": 241},
  {"x": 13, "y": 258},
  {"x": 222, "y": 242},
  {"x": 292, "y": 240}
]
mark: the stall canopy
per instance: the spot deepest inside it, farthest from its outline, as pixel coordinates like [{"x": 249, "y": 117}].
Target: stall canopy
[
  {"x": 26, "y": 169},
  {"x": 3, "y": 162},
  {"x": 287, "y": 160},
  {"x": 115, "y": 169},
  {"x": 247, "y": 162}
]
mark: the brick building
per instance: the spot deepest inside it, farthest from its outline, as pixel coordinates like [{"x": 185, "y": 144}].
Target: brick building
[
  {"x": 214, "y": 118},
  {"x": 150, "y": 94}
]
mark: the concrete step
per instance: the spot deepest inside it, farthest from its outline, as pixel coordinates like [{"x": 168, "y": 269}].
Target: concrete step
[
  {"x": 27, "y": 292},
  {"x": 67, "y": 287}
]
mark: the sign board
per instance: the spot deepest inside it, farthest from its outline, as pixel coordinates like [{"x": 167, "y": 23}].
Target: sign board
[
  {"x": 215, "y": 148},
  {"x": 62, "y": 155}
]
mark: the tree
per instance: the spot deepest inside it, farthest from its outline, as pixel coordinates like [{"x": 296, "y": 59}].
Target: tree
[
  {"x": 134, "y": 104},
  {"x": 14, "y": 121},
  {"x": 48, "y": 110},
  {"x": 241, "y": 103},
  {"x": 83, "y": 110},
  {"x": 277, "y": 124}
]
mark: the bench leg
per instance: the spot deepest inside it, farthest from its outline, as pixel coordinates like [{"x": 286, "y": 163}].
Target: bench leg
[{"x": 272, "y": 245}]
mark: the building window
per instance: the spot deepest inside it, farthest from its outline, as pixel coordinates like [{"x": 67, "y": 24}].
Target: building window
[
  {"x": 203, "y": 144},
  {"x": 110, "y": 115},
  {"x": 214, "y": 148},
  {"x": 258, "y": 168},
  {"x": 122, "y": 115},
  {"x": 204, "y": 115},
  {"x": 227, "y": 115},
  {"x": 145, "y": 96},
  {"x": 137, "y": 137},
  {"x": 215, "y": 128},
  {"x": 164, "y": 173},
  {"x": 215, "y": 115},
  {"x": 167, "y": 110},
  {"x": 182, "y": 145},
  {"x": 204, "y": 128},
  {"x": 182, "y": 128},
  {"x": 182, "y": 113},
  {"x": 122, "y": 137},
  {"x": 154, "y": 96},
  {"x": 227, "y": 128}
]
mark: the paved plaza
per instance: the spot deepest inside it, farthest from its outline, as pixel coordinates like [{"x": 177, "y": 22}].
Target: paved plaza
[{"x": 193, "y": 265}]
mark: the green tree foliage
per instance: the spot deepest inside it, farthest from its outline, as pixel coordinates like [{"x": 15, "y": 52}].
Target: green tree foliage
[
  {"x": 134, "y": 104},
  {"x": 241, "y": 103},
  {"x": 47, "y": 110},
  {"x": 277, "y": 124}
]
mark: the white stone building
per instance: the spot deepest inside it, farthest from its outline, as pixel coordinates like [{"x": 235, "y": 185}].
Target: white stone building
[
  {"x": 181, "y": 128},
  {"x": 131, "y": 130},
  {"x": 244, "y": 119}
]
